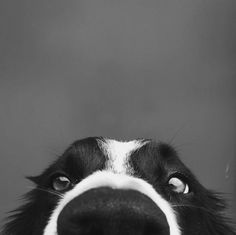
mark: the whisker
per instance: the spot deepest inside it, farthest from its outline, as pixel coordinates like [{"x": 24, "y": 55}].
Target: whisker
[
  {"x": 47, "y": 190},
  {"x": 192, "y": 206}
]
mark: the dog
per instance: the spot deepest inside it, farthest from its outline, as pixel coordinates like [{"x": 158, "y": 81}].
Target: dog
[{"x": 102, "y": 186}]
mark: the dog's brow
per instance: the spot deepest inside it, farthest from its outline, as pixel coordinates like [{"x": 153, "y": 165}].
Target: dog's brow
[{"x": 118, "y": 153}]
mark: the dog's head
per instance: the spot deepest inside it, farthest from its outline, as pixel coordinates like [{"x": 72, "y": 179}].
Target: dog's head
[{"x": 106, "y": 187}]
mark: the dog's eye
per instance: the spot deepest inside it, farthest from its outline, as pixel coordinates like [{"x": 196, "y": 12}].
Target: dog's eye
[
  {"x": 61, "y": 183},
  {"x": 178, "y": 185}
]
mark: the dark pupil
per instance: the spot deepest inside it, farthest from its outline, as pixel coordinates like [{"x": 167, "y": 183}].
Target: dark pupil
[{"x": 61, "y": 183}]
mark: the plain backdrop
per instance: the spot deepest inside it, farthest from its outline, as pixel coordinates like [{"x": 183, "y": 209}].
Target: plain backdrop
[{"x": 122, "y": 69}]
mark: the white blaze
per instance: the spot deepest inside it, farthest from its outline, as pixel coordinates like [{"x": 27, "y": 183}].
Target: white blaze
[{"x": 118, "y": 154}]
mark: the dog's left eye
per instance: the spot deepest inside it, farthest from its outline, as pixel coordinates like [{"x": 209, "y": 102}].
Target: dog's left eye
[
  {"x": 178, "y": 185},
  {"x": 61, "y": 183}
]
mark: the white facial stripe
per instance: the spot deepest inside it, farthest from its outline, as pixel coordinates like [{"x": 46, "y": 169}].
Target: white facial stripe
[
  {"x": 118, "y": 154},
  {"x": 115, "y": 181}
]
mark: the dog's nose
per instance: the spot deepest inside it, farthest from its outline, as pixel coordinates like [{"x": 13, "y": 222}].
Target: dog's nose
[{"x": 106, "y": 211}]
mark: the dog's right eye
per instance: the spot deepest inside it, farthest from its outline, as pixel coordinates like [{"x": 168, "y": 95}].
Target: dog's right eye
[{"x": 61, "y": 183}]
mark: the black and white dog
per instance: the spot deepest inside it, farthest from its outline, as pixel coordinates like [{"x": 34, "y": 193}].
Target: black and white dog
[{"x": 106, "y": 187}]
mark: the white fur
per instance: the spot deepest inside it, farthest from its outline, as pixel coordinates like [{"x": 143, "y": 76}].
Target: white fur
[
  {"x": 115, "y": 181},
  {"x": 118, "y": 153}
]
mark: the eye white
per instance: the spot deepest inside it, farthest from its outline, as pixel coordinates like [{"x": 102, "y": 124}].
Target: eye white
[{"x": 178, "y": 185}]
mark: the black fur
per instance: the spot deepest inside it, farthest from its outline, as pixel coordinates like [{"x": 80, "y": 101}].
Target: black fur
[{"x": 199, "y": 212}]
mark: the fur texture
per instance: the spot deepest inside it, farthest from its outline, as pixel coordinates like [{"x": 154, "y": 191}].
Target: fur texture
[{"x": 199, "y": 212}]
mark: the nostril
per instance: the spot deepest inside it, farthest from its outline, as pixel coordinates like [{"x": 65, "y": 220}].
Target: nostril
[{"x": 105, "y": 211}]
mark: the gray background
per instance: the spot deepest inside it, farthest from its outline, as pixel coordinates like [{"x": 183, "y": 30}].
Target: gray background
[{"x": 123, "y": 69}]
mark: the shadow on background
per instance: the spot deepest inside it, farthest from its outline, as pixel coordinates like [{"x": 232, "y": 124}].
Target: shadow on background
[{"x": 122, "y": 69}]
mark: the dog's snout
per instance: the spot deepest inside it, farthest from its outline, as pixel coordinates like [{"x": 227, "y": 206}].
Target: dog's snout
[{"x": 106, "y": 211}]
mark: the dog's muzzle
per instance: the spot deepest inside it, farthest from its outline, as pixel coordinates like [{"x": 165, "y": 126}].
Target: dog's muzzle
[
  {"x": 112, "y": 204},
  {"x": 107, "y": 211}
]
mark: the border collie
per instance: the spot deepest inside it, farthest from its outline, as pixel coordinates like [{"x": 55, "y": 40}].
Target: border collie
[{"x": 106, "y": 187}]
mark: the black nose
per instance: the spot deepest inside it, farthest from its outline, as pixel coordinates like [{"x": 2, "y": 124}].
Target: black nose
[{"x": 106, "y": 211}]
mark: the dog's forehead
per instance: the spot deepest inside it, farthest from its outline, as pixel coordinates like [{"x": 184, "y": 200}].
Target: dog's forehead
[
  {"x": 98, "y": 153},
  {"x": 121, "y": 157},
  {"x": 118, "y": 153}
]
